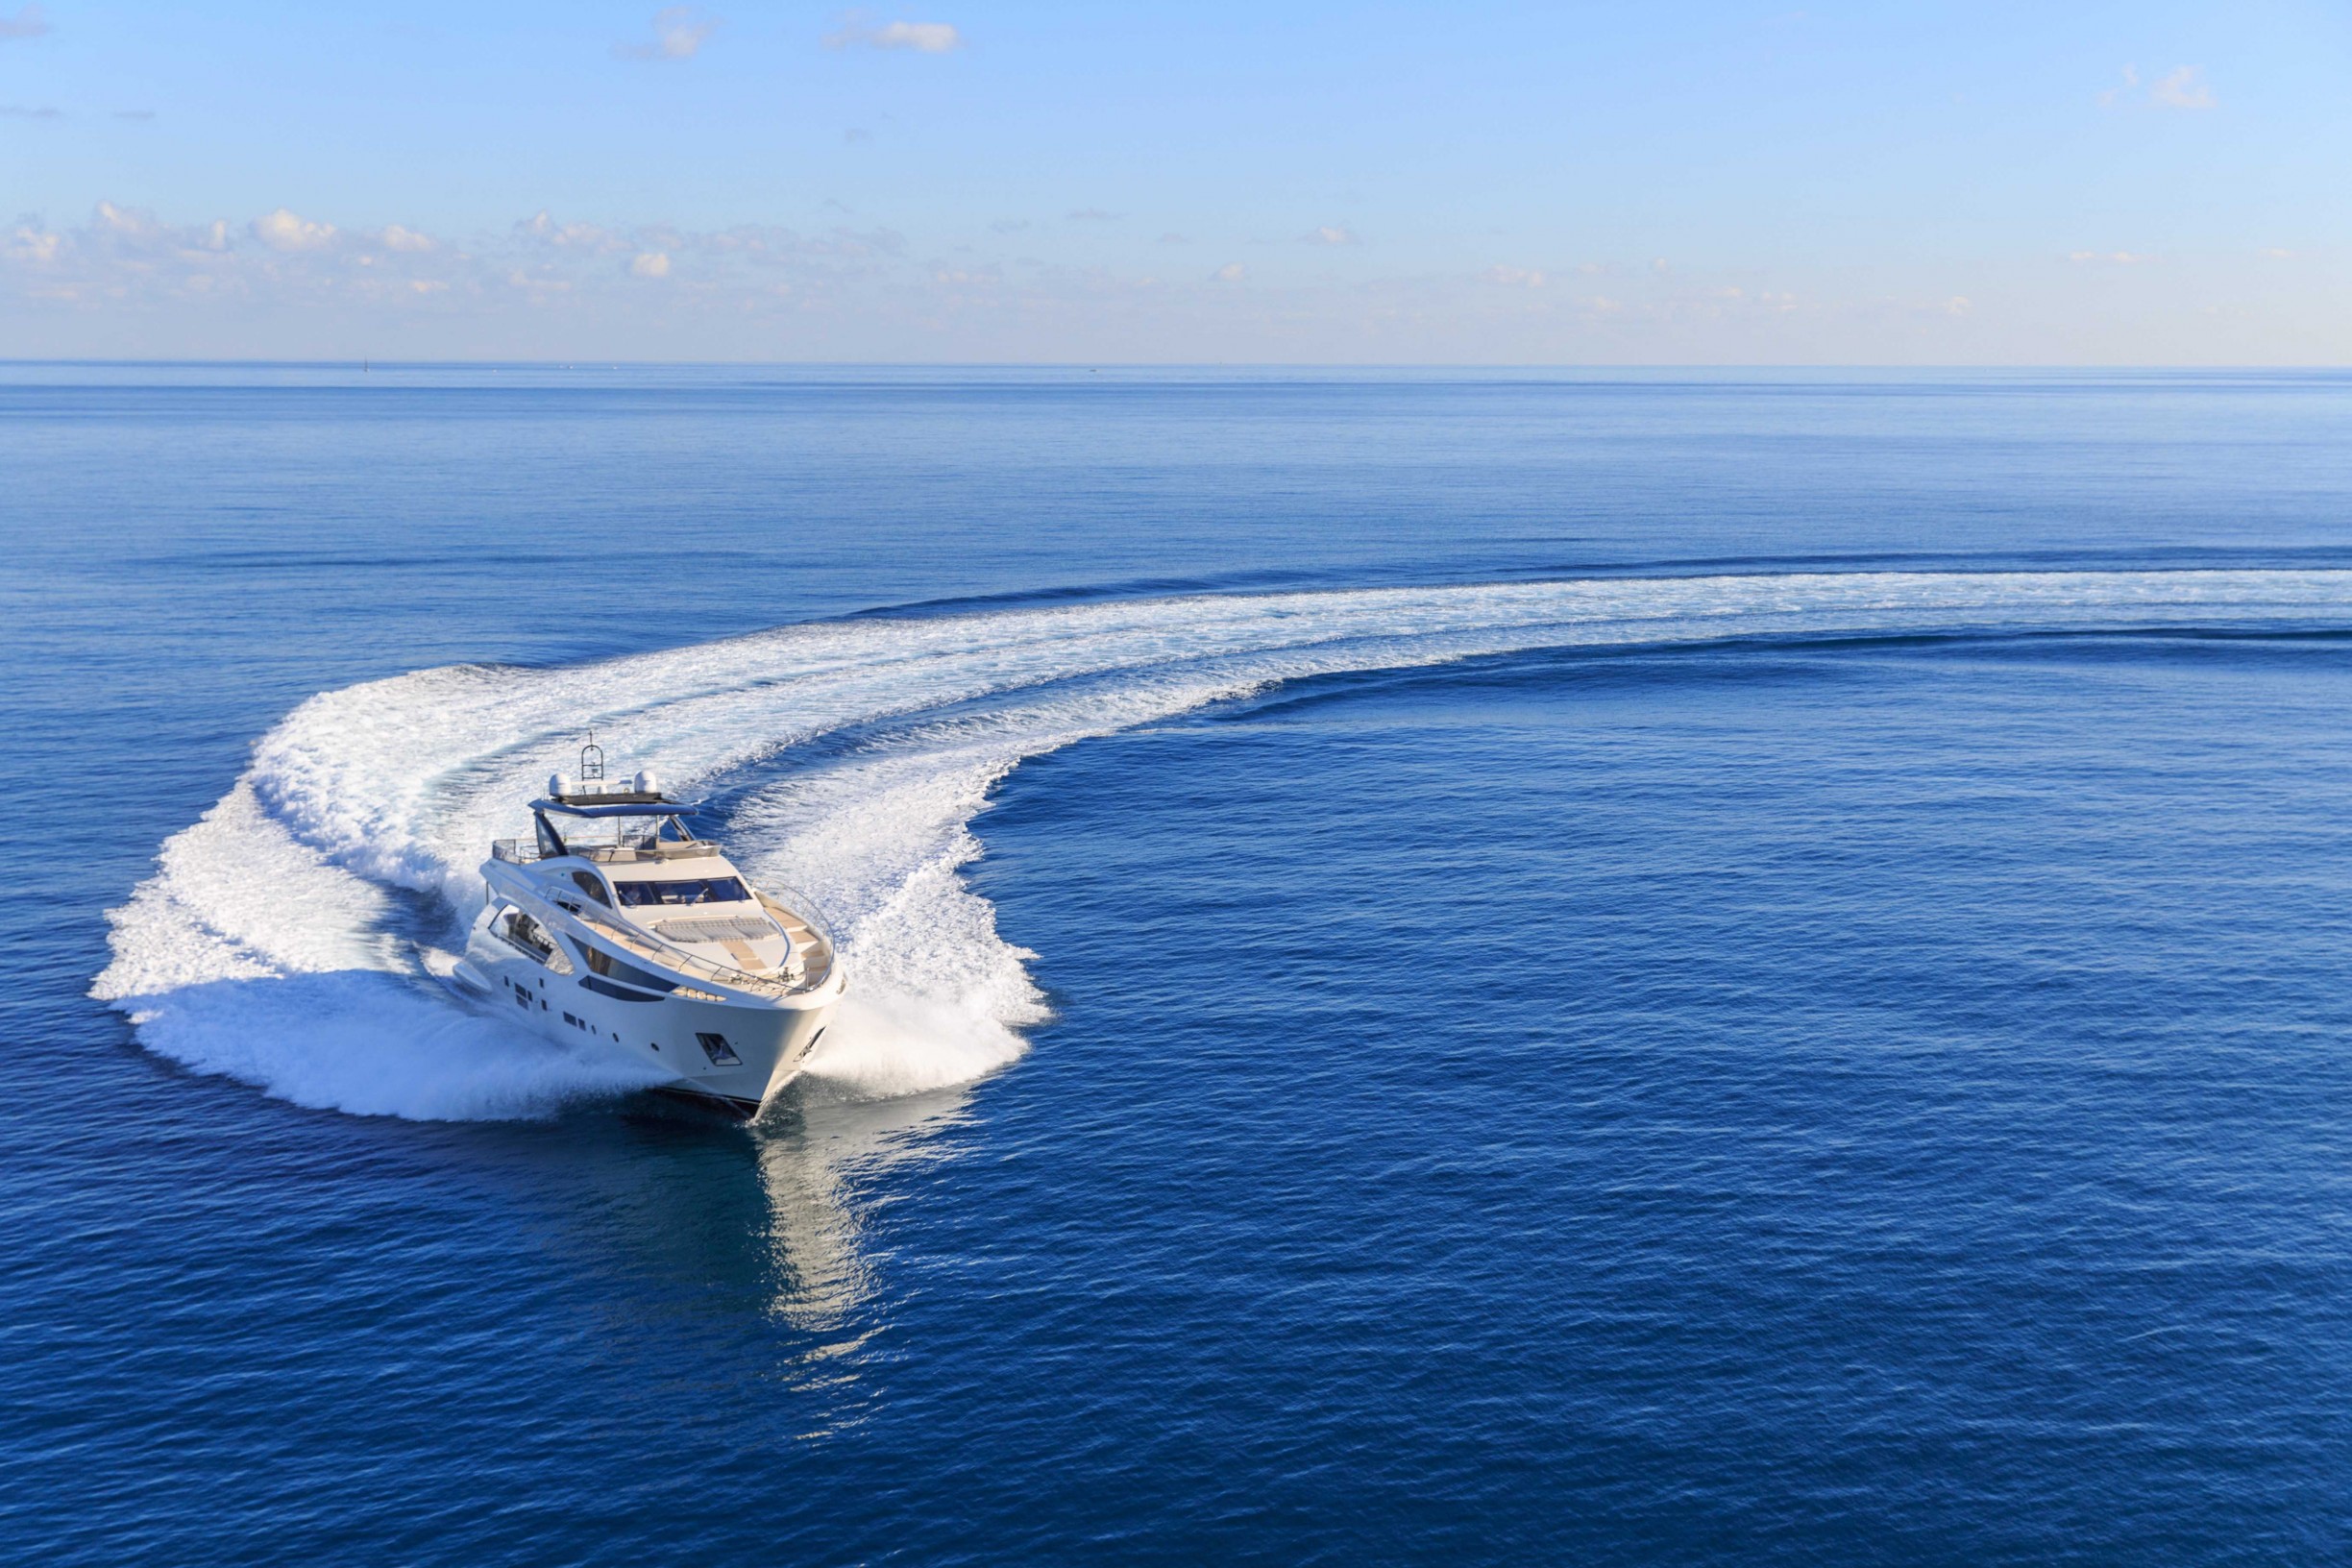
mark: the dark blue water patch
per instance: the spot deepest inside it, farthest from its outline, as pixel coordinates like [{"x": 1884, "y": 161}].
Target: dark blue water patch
[{"x": 1895, "y": 1115}]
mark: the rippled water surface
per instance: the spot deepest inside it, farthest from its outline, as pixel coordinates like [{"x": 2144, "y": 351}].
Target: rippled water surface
[{"x": 1666, "y": 970}]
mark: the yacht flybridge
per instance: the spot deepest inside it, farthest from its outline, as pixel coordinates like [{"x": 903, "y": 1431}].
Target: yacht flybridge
[{"x": 614, "y": 925}]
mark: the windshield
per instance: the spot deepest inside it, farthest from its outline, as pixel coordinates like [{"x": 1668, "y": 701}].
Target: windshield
[
  {"x": 701, "y": 890},
  {"x": 589, "y": 835}
]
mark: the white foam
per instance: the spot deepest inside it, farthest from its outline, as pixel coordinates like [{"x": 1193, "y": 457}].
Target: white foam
[{"x": 260, "y": 948}]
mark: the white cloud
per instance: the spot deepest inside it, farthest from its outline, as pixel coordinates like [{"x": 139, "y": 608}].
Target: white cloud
[
  {"x": 1230, "y": 273},
  {"x": 26, "y": 243},
  {"x": 398, "y": 239},
  {"x": 1330, "y": 235},
  {"x": 649, "y": 264},
  {"x": 923, "y": 38},
  {"x": 30, "y": 22},
  {"x": 926, "y": 38},
  {"x": 679, "y": 32},
  {"x": 2182, "y": 87},
  {"x": 2120, "y": 258},
  {"x": 1514, "y": 276},
  {"x": 569, "y": 236},
  {"x": 126, "y": 222},
  {"x": 283, "y": 230}
]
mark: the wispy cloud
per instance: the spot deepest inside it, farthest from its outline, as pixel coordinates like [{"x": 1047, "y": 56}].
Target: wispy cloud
[
  {"x": 859, "y": 28},
  {"x": 2182, "y": 87},
  {"x": 679, "y": 32},
  {"x": 283, "y": 230},
  {"x": 38, "y": 247},
  {"x": 1093, "y": 215},
  {"x": 758, "y": 289},
  {"x": 1331, "y": 234},
  {"x": 25, "y": 111},
  {"x": 125, "y": 253},
  {"x": 1172, "y": 237},
  {"x": 2120, "y": 258},
  {"x": 30, "y": 22},
  {"x": 569, "y": 237},
  {"x": 135, "y": 114}
]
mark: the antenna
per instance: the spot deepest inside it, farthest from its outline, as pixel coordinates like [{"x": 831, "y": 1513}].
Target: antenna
[{"x": 591, "y": 759}]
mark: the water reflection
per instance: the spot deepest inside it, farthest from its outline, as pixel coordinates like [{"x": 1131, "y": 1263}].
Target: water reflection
[
  {"x": 814, "y": 1151},
  {"x": 740, "y": 1262}
]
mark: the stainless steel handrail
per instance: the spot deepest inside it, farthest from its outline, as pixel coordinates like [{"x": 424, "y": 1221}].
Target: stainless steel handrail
[
  {"x": 813, "y": 918},
  {"x": 523, "y": 851},
  {"x": 668, "y": 954},
  {"x": 797, "y": 905}
]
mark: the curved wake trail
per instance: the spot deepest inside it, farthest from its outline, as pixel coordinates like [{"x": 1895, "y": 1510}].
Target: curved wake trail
[{"x": 266, "y": 944}]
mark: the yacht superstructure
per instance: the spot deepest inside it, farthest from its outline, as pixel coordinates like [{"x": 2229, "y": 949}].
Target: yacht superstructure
[{"x": 614, "y": 923}]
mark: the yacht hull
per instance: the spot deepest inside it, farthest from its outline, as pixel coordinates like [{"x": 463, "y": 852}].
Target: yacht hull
[{"x": 733, "y": 1052}]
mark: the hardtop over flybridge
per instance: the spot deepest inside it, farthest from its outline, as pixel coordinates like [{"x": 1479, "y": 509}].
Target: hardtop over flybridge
[{"x": 615, "y": 926}]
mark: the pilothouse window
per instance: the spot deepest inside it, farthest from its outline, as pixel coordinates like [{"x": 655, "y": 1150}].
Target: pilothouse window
[
  {"x": 711, "y": 890},
  {"x": 594, "y": 889}
]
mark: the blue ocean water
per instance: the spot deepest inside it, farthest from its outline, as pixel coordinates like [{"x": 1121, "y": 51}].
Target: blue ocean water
[{"x": 1647, "y": 970}]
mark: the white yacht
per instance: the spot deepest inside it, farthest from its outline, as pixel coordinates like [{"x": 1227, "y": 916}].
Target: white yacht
[{"x": 615, "y": 923}]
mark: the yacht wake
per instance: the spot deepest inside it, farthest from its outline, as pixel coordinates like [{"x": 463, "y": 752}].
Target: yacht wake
[{"x": 285, "y": 940}]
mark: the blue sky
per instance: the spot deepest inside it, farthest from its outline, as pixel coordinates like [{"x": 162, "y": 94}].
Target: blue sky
[{"x": 1573, "y": 183}]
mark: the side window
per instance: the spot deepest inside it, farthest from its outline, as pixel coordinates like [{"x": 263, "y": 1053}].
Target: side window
[
  {"x": 721, "y": 1053},
  {"x": 592, "y": 887}
]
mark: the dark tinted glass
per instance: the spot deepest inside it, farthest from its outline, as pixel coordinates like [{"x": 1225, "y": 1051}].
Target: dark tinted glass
[{"x": 717, "y": 890}]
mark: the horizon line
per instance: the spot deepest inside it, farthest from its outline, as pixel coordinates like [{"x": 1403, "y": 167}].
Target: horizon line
[{"x": 597, "y": 361}]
